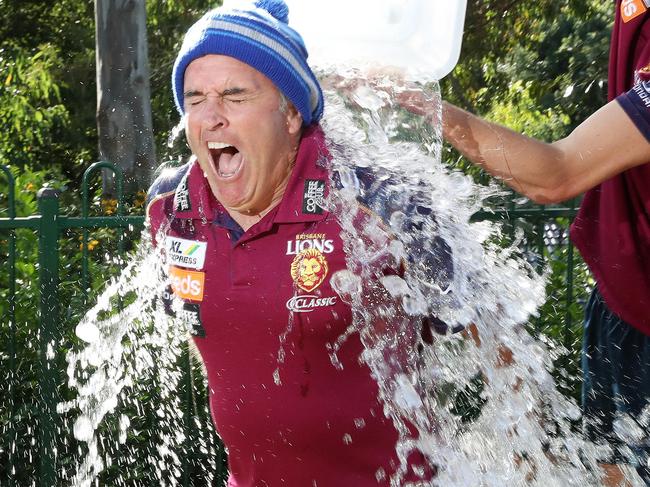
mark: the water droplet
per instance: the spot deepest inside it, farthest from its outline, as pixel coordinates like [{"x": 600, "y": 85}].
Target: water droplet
[
  {"x": 395, "y": 285},
  {"x": 276, "y": 377},
  {"x": 345, "y": 283},
  {"x": 83, "y": 429},
  {"x": 87, "y": 331}
]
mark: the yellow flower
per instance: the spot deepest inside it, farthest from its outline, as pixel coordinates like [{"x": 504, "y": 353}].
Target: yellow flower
[
  {"x": 29, "y": 187},
  {"x": 140, "y": 198},
  {"x": 91, "y": 245},
  {"x": 109, "y": 205}
]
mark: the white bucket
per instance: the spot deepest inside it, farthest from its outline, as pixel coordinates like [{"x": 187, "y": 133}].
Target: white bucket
[{"x": 422, "y": 38}]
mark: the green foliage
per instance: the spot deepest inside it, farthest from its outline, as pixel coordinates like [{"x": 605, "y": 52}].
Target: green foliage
[
  {"x": 551, "y": 45},
  {"x": 31, "y": 113},
  {"x": 47, "y": 99},
  {"x": 519, "y": 111}
]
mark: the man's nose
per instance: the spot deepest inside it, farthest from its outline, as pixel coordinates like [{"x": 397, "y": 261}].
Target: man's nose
[{"x": 214, "y": 115}]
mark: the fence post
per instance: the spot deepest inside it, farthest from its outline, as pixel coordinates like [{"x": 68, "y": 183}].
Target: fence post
[
  {"x": 48, "y": 257},
  {"x": 11, "y": 286}
]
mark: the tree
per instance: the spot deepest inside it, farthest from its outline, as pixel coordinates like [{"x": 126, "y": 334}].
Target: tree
[
  {"x": 124, "y": 122},
  {"x": 553, "y": 52}
]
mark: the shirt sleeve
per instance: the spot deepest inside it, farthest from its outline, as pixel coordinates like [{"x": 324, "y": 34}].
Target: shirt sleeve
[
  {"x": 429, "y": 257},
  {"x": 426, "y": 250},
  {"x": 636, "y": 104}
]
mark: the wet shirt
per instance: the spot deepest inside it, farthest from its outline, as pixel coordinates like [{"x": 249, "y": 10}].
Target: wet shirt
[
  {"x": 612, "y": 228},
  {"x": 263, "y": 314}
]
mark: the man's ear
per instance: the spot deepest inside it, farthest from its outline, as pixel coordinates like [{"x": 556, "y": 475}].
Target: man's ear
[{"x": 294, "y": 120}]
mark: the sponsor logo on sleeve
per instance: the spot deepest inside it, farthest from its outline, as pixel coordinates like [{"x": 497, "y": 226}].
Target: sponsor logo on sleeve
[
  {"x": 313, "y": 197},
  {"x": 190, "y": 316},
  {"x": 642, "y": 90},
  {"x": 186, "y": 253},
  {"x": 187, "y": 284},
  {"x": 182, "y": 196},
  {"x": 631, "y": 9}
]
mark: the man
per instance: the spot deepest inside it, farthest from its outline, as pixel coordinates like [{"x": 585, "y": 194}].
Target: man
[
  {"x": 252, "y": 253},
  {"x": 606, "y": 156}
]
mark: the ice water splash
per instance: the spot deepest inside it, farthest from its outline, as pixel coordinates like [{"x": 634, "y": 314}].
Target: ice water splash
[
  {"x": 520, "y": 429},
  {"x": 132, "y": 364},
  {"x": 385, "y": 153}
]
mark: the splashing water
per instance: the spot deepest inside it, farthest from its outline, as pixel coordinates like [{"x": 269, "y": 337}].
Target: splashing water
[
  {"x": 133, "y": 348},
  {"x": 175, "y": 132},
  {"x": 523, "y": 430}
]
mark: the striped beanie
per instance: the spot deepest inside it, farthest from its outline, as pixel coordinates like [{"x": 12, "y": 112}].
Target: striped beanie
[{"x": 257, "y": 34}]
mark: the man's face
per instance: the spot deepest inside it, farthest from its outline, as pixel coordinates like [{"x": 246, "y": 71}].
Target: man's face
[{"x": 244, "y": 142}]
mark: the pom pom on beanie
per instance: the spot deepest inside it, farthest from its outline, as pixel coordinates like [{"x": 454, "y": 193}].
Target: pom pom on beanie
[{"x": 277, "y": 8}]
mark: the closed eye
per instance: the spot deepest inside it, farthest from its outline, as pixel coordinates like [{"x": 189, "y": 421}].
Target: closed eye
[
  {"x": 235, "y": 95},
  {"x": 195, "y": 101},
  {"x": 193, "y": 98}
]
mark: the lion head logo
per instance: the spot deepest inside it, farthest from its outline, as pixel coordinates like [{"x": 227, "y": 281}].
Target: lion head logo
[{"x": 309, "y": 269}]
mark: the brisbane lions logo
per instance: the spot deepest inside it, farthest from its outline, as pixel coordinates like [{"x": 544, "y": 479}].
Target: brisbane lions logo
[{"x": 309, "y": 269}]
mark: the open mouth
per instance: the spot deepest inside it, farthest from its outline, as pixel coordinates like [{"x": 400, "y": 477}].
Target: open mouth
[{"x": 227, "y": 160}]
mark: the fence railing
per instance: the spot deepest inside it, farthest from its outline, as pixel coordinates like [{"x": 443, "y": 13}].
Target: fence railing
[
  {"x": 51, "y": 227},
  {"x": 544, "y": 241},
  {"x": 49, "y": 224}
]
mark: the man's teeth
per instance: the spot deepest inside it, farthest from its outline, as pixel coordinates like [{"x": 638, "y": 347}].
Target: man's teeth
[{"x": 218, "y": 145}]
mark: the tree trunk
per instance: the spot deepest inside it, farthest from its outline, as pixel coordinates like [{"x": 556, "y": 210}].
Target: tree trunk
[{"x": 123, "y": 94}]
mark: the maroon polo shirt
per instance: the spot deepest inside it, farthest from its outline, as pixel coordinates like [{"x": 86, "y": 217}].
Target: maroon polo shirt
[
  {"x": 316, "y": 425},
  {"x": 612, "y": 228}
]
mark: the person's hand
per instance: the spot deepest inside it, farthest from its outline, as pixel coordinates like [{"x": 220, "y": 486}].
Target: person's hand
[
  {"x": 386, "y": 88},
  {"x": 416, "y": 100}
]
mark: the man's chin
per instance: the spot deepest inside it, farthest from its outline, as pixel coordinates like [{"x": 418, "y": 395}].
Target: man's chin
[
  {"x": 238, "y": 207},
  {"x": 241, "y": 203},
  {"x": 230, "y": 197}
]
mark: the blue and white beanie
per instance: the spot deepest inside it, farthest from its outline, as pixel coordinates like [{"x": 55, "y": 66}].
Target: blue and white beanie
[{"x": 258, "y": 35}]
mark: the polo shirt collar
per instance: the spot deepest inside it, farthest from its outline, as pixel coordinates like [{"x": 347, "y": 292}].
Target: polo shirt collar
[
  {"x": 309, "y": 182},
  {"x": 193, "y": 199}
]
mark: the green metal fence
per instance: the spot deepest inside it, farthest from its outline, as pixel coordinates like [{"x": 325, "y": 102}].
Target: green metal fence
[
  {"x": 49, "y": 225},
  {"x": 545, "y": 239}
]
